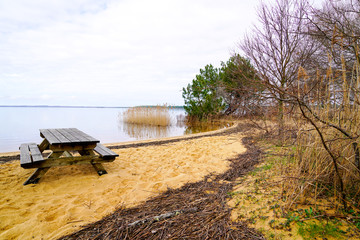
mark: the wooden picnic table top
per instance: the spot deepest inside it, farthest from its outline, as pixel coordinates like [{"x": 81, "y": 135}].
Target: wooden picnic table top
[
  {"x": 64, "y": 142},
  {"x": 67, "y": 136}
]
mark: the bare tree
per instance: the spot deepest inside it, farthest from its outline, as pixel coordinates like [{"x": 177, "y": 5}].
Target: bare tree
[
  {"x": 330, "y": 100},
  {"x": 278, "y": 47},
  {"x": 336, "y": 25},
  {"x": 309, "y": 58}
]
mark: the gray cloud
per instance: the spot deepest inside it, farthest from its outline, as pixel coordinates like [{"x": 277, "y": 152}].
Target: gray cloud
[{"x": 115, "y": 53}]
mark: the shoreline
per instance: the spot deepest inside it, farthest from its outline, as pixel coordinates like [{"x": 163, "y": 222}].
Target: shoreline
[
  {"x": 205, "y": 202},
  {"x": 10, "y": 156},
  {"x": 70, "y": 197}
]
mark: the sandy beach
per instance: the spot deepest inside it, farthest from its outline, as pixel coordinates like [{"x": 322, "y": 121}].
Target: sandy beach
[{"x": 69, "y": 197}]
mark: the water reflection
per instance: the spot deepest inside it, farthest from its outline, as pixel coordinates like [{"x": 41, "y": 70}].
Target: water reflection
[
  {"x": 205, "y": 127},
  {"x": 101, "y": 123},
  {"x": 141, "y": 131},
  {"x": 178, "y": 127}
]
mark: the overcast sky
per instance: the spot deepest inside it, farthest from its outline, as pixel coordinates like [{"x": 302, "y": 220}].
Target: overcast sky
[{"x": 113, "y": 52}]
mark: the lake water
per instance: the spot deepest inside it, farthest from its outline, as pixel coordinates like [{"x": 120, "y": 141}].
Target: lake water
[{"x": 22, "y": 124}]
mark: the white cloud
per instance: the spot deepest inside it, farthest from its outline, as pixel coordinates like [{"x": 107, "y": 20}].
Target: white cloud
[{"x": 112, "y": 52}]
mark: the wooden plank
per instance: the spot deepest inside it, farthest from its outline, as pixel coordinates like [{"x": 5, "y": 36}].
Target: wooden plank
[
  {"x": 25, "y": 157},
  {"x": 66, "y": 136},
  {"x": 83, "y": 135},
  {"x": 66, "y": 133},
  {"x": 47, "y": 134},
  {"x": 55, "y": 155},
  {"x": 101, "y": 149},
  {"x": 105, "y": 152},
  {"x": 72, "y": 147},
  {"x": 77, "y": 134},
  {"x": 65, "y": 161},
  {"x": 62, "y": 138},
  {"x": 35, "y": 153}
]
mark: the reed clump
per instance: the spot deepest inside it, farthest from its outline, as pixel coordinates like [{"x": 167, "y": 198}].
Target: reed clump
[
  {"x": 327, "y": 158},
  {"x": 153, "y": 116}
]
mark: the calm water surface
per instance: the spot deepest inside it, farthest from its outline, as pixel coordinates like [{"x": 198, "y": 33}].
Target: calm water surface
[{"x": 22, "y": 124}]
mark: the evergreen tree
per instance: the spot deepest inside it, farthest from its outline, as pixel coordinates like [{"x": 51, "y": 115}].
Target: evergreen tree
[{"x": 201, "y": 98}]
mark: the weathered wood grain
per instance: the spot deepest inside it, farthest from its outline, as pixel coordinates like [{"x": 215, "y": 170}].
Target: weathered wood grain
[
  {"x": 62, "y": 141},
  {"x": 44, "y": 145},
  {"x": 69, "y": 136},
  {"x": 66, "y": 161},
  {"x": 25, "y": 157},
  {"x": 35, "y": 153},
  {"x": 105, "y": 152},
  {"x": 83, "y": 135},
  {"x": 51, "y": 137}
]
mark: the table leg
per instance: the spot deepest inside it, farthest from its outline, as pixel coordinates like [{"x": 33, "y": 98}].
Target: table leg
[
  {"x": 44, "y": 145},
  {"x": 35, "y": 177},
  {"x": 98, "y": 167}
]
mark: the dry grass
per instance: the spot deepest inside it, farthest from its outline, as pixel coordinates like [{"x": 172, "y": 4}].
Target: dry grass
[
  {"x": 327, "y": 150},
  {"x": 260, "y": 199},
  {"x": 154, "y": 116}
]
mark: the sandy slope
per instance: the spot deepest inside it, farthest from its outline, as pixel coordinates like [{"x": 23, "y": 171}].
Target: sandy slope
[{"x": 69, "y": 197}]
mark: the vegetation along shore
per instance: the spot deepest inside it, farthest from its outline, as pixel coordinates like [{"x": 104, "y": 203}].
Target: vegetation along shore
[{"x": 288, "y": 169}]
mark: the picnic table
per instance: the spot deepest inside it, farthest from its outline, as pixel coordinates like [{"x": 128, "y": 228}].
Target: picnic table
[{"x": 68, "y": 146}]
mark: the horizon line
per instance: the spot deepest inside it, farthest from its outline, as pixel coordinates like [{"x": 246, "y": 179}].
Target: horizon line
[{"x": 82, "y": 106}]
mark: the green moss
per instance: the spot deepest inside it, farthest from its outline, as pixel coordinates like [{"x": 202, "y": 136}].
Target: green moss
[{"x": 312, "y": 230}]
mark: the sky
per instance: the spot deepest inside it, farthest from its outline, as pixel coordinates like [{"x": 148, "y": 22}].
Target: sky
[{"x": 113, "y": 52}]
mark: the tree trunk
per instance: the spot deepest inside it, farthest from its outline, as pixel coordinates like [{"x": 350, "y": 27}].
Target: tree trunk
[{"x": 281, "y": 118}]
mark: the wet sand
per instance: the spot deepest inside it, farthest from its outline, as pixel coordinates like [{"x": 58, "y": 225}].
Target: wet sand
[{"x": 69, "y": 197}]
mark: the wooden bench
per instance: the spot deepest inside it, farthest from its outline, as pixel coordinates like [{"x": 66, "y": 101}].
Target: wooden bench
[
  {"x": 106, "y": 155},
  {"x": 105, "y": 152},
  {"x": 30, "y": 155}
]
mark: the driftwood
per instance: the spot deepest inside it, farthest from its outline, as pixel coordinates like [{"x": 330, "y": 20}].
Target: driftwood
[{"x": 163, "y": 216}]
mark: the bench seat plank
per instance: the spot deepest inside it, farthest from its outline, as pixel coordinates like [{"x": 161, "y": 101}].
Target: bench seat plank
[
  {"x": 30, "y": 155},
  {"x": 35, "y": 153},
  {"x": 25, "y": 157},
  {"x": 105, "y": 152},
  {"x": 67, "y": 161}
]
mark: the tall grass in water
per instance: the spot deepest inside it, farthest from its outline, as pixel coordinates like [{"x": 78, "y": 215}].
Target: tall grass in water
[
  {"x": 154, "y": 116},
  {"x": 327, "y": 152},
  {"x": 140, "y": 131}
]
